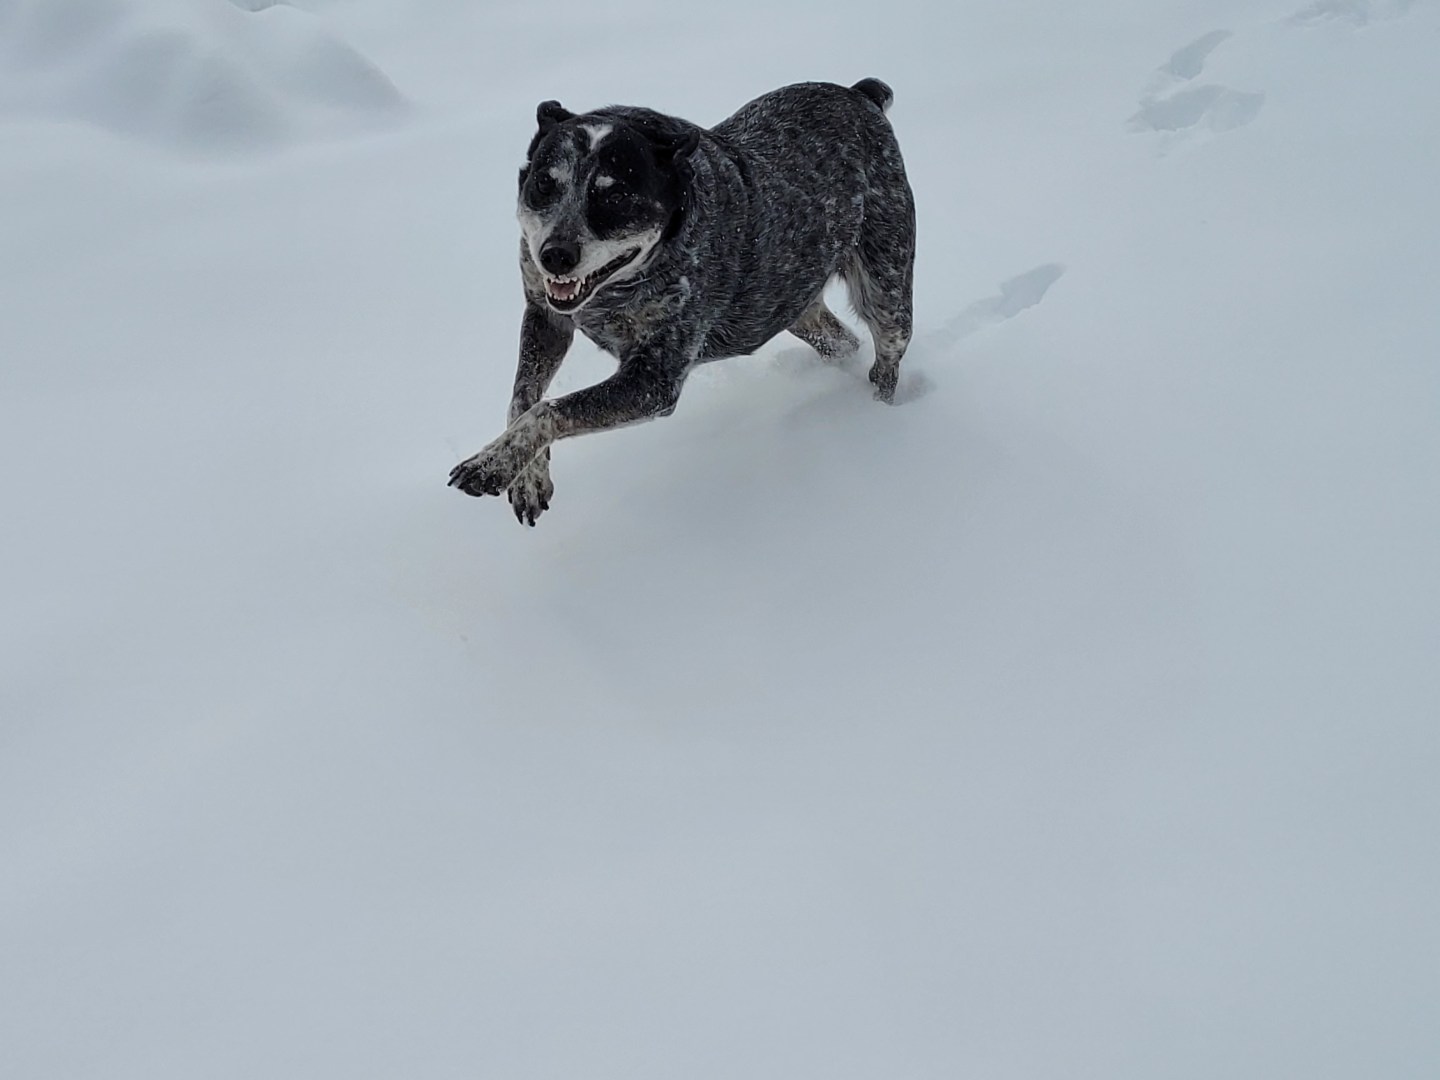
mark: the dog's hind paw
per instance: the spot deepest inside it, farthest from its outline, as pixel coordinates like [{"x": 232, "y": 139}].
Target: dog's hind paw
[
  {"x": 885, "y": 377},
  {"x": 531, "y": 491}
]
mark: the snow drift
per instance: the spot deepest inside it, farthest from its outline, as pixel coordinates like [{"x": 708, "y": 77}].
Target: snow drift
[{"x": 188, "y": 74}]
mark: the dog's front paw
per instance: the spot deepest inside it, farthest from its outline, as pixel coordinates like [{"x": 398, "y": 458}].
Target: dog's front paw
[
  {"x": 495, "y": 468},
  {"x": 531, "y": 491},
  {"x": 490, "y": 471}
]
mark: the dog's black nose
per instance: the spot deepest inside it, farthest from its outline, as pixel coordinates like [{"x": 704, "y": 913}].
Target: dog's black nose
[{"x": 560, "y": 256}]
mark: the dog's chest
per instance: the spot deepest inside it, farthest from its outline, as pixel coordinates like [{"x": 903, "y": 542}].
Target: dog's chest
[
  {"x": 657, "y": 319},
  {"x": 620, "y": 334}
]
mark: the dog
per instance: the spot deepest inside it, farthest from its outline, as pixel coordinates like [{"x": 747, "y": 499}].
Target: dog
[{"x": 669, "y": 245}]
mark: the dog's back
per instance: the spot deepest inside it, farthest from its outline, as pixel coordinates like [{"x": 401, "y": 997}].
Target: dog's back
[
  {"x": 809, "y": 122},
  {"x": 814, "y": 185}
]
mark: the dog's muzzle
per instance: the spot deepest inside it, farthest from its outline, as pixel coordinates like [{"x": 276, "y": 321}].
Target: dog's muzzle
[{"x": 567, "y": 293}]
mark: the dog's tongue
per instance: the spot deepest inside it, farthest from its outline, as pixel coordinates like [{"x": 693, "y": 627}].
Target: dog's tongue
[{"x": 563, "y": 290}]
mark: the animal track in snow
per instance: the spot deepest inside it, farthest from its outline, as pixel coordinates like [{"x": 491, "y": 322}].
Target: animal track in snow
[
  {"x": 1165, "y": 109},
  {"x": 1217, "y": 107},
  {"x": 1357, "y": 12},
  {"x": 1184, "y": 64},
  {"x": 1189, "y": 62}
]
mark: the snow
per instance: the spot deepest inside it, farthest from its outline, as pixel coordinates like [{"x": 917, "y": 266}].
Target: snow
[
  {"x": 188, "y": 76},
  {"x": 1076, "y": 717}
]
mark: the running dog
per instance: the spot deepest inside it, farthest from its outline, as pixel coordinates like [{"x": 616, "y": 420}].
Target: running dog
[{"x": 668, "y": 245}]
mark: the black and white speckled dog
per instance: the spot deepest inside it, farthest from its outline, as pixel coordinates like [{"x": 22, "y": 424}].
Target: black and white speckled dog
[{"x": 669, "y": 245}]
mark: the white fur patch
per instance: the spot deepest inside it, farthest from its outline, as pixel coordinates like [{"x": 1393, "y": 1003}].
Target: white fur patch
[
  {"x": 598, "y": 253},
  {"x": 596, "y": 132},
  {"x": 534, "y": 229},
  {"x": 603, "y": 181}
]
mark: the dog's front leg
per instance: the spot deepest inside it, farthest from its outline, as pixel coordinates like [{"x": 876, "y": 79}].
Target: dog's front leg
[
  {"x": 643, "y": 388},
  {"x": 544, "y": 341}
]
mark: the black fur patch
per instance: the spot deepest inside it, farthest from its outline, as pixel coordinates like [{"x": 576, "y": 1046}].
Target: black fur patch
[{"x": 644, "y": 186}]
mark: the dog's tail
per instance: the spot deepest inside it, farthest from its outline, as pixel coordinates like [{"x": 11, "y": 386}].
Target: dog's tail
[{"x": 877, "y": 92}]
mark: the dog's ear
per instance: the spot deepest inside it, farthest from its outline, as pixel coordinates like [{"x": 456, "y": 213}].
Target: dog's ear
[
  {"x": 672, "y": 140},
  {"x": 676, "y": 144},
  {"x": 547, "y": 115},
  {"x": 550, "y": 113}
]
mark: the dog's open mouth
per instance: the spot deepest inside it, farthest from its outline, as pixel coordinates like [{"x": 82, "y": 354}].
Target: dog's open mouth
[{"x": 567, "y": 293}]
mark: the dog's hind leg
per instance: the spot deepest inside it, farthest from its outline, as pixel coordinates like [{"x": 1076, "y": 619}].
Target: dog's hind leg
[
  {"x": 880, "y": 272},
  {"x": 885, "y": 307},
  {"x": 823, "y": 332}
]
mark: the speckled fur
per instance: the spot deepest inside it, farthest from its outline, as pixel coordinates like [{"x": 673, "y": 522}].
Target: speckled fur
[{"x": 759, "y": 213}]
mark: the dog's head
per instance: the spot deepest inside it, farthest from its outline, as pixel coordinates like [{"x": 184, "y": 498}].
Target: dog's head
[{"x": 598, "y": 193}]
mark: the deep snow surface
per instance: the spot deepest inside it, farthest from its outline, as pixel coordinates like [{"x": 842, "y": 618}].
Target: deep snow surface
[{"x": 1076, "y": 718}]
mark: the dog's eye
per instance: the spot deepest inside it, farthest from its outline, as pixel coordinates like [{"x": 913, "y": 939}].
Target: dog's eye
[{"x": 543, "y": 184}]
